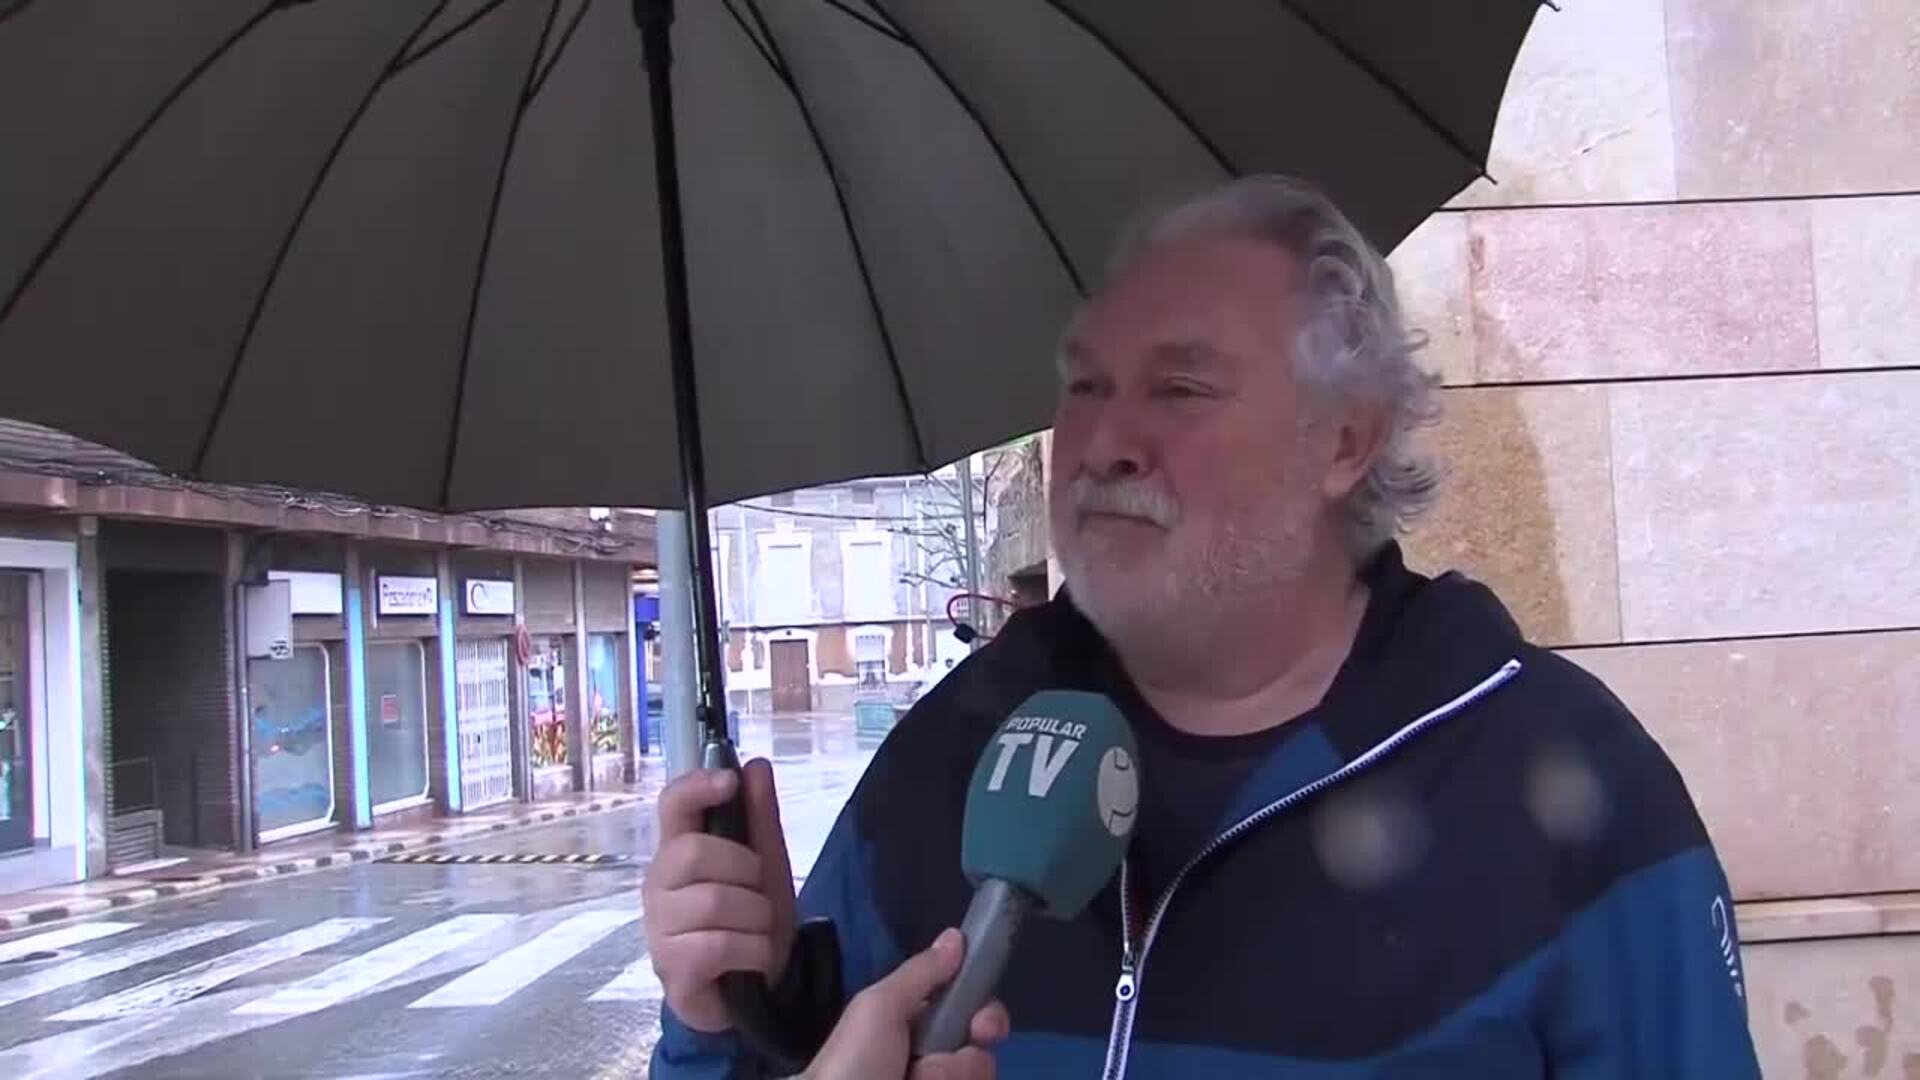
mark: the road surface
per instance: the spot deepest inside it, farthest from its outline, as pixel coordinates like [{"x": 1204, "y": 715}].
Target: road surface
[{"x": 388, "y": 970}]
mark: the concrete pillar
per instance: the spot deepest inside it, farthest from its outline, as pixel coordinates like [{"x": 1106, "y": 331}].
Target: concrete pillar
[
  {"x": 362, "y": 784},
  {"x": 521, "y": 721},
  {"x": 637, "y": 718},
  {"x": 579, "y": 723},
  {"x": 449, "y": 779},
  {"x": 93, "y": 694},
  {"x": 239, "y": 712}
]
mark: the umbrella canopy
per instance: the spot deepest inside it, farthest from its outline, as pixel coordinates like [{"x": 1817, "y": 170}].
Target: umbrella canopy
[
  {"x": 461, "y": 254},
  {"x": 410, "y": 250}
]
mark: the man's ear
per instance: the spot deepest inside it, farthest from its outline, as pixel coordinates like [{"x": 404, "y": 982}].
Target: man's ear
[{"x": 1359, "y": 434}]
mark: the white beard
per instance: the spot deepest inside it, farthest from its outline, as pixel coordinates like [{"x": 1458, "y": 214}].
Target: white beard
[{"x": 1171, "y": 605}]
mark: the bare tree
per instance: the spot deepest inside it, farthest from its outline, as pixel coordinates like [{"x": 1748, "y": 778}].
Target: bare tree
[{"x": 940, "y": 533}]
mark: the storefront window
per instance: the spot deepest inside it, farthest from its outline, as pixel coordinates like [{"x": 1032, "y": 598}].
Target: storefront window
[
  {"x": 870, "y": 662},
  {"x": 603, "y": 690},
  {"x": 16, "y": 750},
  {"x": 397, "y": 721},
  {"x": 292, "y": 705},
  {"x": 547, "y": 701}
]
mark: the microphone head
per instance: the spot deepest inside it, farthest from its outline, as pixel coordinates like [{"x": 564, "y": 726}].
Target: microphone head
[{"x": 1053, "y": 800}]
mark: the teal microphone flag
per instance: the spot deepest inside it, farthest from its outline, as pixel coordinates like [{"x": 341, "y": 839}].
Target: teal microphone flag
[
  {"x": 1053, "y": 801},
  {"x": 1049, "y": 810}
]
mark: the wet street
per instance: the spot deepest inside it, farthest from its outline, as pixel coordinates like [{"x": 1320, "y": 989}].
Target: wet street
[{"x": 391, "y": 969}]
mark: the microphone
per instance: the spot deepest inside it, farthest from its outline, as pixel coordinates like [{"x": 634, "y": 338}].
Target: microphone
[{"x": 1049, "y": 810}]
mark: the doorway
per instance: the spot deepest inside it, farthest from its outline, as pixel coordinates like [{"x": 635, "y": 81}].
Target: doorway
[
  {"x": 792, "y": 682},
  {"x": 169, "y": 723},
  {"x": 486, "y": 740}
]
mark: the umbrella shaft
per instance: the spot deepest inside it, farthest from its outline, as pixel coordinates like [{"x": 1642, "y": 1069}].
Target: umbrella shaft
[
  {"x": 655, "y": 20},
  {"x": 766, "y": 1024}
]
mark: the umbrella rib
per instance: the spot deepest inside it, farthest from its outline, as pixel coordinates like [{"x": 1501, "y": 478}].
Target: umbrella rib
[
  {"x": 1000, "y": 152},
  {"x": 773, "y": 62},
  {"x": 120, "y": 155},
  {"x": 486, "y": 248},
  {"x": 865, "y": 20},
  {"x": 452, "y": 32},
  {"x": 559, "y": 50},
  {"x": 1153, "y": 85},
  {"x": 853, "y": 232},
  {"x": 225, "y": 397},
  {"x": 1398, "y": 92}
]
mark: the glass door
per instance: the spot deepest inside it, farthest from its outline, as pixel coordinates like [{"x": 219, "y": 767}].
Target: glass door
[
  {"x": 16, "y": 699},
  {"x": 397, "y": 730},
  {"x": 292, "y": 742}
]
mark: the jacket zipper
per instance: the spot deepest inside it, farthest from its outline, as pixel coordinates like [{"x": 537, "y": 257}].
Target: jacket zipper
[{"x": 1133, "y": 958}]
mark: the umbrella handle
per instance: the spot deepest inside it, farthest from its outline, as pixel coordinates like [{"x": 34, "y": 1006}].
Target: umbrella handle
[{"x": 789, "y": 1023}]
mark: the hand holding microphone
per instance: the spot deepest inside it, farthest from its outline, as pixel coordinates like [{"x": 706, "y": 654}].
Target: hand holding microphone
[{"x": 871, "y": 1040}]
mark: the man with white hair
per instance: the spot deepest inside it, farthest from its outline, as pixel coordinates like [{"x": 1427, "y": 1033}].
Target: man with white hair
[{"x": 1380, "y": 834}]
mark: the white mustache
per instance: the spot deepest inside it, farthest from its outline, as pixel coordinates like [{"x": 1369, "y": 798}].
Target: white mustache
[{"x": 1125, "y": 498}]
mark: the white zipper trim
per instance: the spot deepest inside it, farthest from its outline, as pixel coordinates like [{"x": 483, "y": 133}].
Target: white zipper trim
[{"x": 1126, "y": 991}]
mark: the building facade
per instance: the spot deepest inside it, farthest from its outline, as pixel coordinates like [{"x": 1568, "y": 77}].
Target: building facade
[
  {"x": 202, "y": 666},
  {"x": 1681, "y": 346},
  {"x": 840, "y": 592},
  {"x": 1020, "y": 558}
]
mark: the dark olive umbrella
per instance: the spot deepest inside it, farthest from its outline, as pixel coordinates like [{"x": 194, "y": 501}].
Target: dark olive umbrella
[{"x": 463, "y": 254}]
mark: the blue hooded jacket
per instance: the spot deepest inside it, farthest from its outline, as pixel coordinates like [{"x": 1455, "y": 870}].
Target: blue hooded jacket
[{"x": 1550, "y": 905}]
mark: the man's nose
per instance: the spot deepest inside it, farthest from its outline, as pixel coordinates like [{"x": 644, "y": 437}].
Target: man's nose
[
  {"x": 1118, "y": 449},
  {"x": 1116, "y": 468}
]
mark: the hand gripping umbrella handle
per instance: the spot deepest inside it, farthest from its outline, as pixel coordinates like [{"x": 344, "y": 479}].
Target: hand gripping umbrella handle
[{"x": 788, "y": 1023}]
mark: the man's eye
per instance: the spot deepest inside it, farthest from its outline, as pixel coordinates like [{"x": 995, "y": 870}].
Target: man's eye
[
  {"x": 1180, "y": 391},
  {"x": 1081, "y": 387}
]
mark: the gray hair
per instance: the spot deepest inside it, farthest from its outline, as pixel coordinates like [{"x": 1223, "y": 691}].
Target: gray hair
[{"x": 1354, "y": 346}]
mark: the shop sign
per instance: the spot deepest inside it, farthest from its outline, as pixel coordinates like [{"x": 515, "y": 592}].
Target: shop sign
[
  {"x": 314, "y": 592},
  {"x": 409, "y": 596},
  {"x": 488, "y": 597}
]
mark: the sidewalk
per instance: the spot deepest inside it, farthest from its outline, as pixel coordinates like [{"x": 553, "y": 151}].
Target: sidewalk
[
  {"x": 209, "y": 870},
  {"x": 818, "y": 758}
]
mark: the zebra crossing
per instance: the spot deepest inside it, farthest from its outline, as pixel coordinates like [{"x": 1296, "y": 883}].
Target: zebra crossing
[
  {"x": 636, "y": 983},
  {"x": 54, "y": 940},
  {"x": 498, "y": 979},
  {"x": 88, "y": 968},
  {"x": 193, "y": 981},
  {"x": 505, "y": 954}
]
